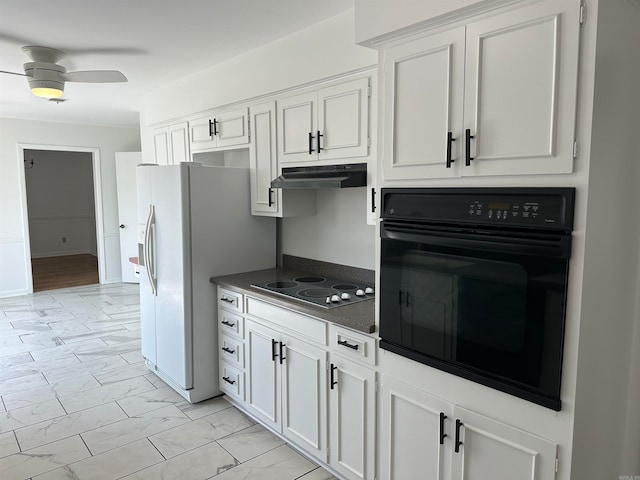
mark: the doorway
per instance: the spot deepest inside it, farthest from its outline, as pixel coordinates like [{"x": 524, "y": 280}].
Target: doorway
[{"x": 62, "y": 215}]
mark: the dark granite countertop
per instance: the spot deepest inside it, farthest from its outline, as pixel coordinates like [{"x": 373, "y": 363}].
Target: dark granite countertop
[{"x": 358, "y": 316}]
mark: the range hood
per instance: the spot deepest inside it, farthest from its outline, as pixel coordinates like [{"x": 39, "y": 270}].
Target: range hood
[{"x": 325, "y": 176}]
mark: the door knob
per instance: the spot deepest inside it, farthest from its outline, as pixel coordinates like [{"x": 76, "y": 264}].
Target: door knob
[{"x": 122, "y": 225}]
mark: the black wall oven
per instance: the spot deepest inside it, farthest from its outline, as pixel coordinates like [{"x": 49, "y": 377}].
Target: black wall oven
[{"x": 473, "y": 281}]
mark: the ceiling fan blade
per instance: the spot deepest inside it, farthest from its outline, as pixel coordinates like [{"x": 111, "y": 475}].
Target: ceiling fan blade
[
  {"x": 94, "y": 76},
  {"x": 14, "y": 73}
]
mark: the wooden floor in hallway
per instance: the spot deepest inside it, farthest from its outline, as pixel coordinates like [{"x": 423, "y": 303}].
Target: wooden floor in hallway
[{"x": 66, "y": 271}]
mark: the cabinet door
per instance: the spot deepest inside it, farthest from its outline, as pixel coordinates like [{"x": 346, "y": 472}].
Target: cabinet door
[
  {"x": 263, "y": 374},
  {"x": 232, "y": 128},
  {"x": 161, "y": 145},
  {"x": 263, "y": 159},
  {"x": 520, "y": 95},
  {"x": 491, "y": 449},
  {"x": 343, "y": 114},
  {"x": 297, "y": 129},
  {"x": 423, "y": 101},
  {"x": 179, "y": 143},
  {"x": 352, "y": 407},
  {"x": 411, "y": 442},
  {"x": 304, "y": 396},
  {"x": 201, "y": 133}
]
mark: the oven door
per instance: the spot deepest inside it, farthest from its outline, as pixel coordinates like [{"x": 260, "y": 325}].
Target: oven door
[{"x": 483, "y": 305}]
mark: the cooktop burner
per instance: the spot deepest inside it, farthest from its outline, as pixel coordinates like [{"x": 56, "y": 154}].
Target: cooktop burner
[{"x": 325, "y": 292}]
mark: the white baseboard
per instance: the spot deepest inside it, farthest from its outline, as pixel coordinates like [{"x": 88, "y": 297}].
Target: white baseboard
[{"x": 63, "y": 254}]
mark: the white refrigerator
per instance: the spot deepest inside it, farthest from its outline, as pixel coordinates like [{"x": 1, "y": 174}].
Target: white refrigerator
[{"x": 194, "y": 222}]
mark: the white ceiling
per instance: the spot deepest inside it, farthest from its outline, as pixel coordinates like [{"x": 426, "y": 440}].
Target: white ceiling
[{"x": 152, "y": 42}]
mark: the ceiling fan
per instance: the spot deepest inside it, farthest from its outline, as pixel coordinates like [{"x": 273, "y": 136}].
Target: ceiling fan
[{"x": 47, "y": 78}]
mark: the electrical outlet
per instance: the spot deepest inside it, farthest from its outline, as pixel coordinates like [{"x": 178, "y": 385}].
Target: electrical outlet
[{"x": 64, "y": 239}]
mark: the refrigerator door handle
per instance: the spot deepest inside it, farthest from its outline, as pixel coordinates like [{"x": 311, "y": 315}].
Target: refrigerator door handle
[{"x": 149, "y": 257}]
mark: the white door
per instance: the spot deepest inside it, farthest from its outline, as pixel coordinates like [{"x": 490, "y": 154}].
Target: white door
[
  {"x": 490, "y": 449},
  {"x": 343, "y": 114},
  {"x": 411, "y": 427},
  {"x": 147, "y": 293},
  {"x": 179, "y": 139},
  {"x": 423, "y": 101},
  {"x": 172, "y": 254},
  {"x": 232, "y": 128},
  {"x": 297, "y": 129},
  {"x": 263, "y": 160},
  {"x": 161, "y": 146},
  {"x": 520, "y": 90},
  {"x": 352, "y": 407},
  {"x": 201, "y": 135},
  {"x": 127, "y": 213},
  {"x": 304, "y": 396},
  {"x": 263, "y": 374}
]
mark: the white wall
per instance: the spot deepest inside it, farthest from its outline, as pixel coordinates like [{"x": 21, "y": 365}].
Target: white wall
[
  {"x": 338, "y": 233},
  {"x": 61, "y": 203},
  {"x": 320, "y": 51},
  {"x": 606, "y": 440},
  {"x": 13, "y": 259}
]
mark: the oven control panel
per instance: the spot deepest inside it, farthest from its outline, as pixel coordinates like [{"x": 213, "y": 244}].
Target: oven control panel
[
  {"x": 502, "y": 211},
  {"x": 517, "y": 207}
]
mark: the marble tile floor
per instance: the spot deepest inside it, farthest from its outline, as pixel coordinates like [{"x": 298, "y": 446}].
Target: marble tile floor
[{"x": 77, "y": 402}]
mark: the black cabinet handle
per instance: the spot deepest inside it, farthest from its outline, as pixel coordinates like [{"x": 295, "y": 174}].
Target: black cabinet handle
[
  {"x": 311, "y": 137},
  {"x": 121, "y": 225},
  {"x": 344, "y": 343},
  {"x": 228, "y": 350},
  {"x": 407, "y": 299},
  {"x": 270, "y": 192},
  {"x": 215, "y": 127},
  {"x": 228, "y": 300},
  {"x": 273, "y": 350},
  {"x": 450, "y": 140},
  {"x": 458, "y": 442},
  {"x": 210, "y": 128},
  {"x": 228, "y": 380},
  {"x": 442, "y": 434},
  {"x": 318, "y": 141},
  {"x": 228, "y": 324},
  {"x": 373, "y": 200},
  {"x": 467, "y": 146},
  {"x": 282, "y": 357},
  {"x": 400, "y": 297},
  {"x": 333, "y": 380}
]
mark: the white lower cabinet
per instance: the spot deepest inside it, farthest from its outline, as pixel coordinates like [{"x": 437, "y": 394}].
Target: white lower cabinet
[
  {"x": 287, "y": 386},
  {"x": 424, "y": 437},
  {"x": 352, "y": 411}
]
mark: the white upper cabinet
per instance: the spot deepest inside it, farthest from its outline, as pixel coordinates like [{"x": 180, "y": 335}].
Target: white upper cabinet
[
  {"x": 263, "y": 159},
  {"x": 423, "y": 92},
  {"x": 326, "y": 124},
  {"x": 171, "y": 144},
  {"x": 492, "y": 97},
  {"x": 219, "y": 130}
]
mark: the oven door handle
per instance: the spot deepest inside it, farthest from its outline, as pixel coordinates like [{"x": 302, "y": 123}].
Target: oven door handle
[{"x": 555, "y": 246}]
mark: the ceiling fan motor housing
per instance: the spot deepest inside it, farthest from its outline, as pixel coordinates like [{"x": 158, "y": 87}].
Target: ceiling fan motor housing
[{"x": 45, "y": 75}]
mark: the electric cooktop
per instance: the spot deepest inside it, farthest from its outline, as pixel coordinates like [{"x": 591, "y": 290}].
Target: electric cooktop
[{"x": 323, "y": 291}]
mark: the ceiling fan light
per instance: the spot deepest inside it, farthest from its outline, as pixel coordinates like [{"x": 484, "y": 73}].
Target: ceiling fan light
[{"x": 46, "y": 92}]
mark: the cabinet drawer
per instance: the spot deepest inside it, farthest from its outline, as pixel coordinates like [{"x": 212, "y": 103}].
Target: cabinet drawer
[
  {"x": 230, "y": 300},
  {"x": 352, "y": 344},
  {"x": 232, "y": 351},
  {"x": 230, "y": 324},
  {"x": 306, "y": 327},
  {"x": 232, "y": 381}
]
